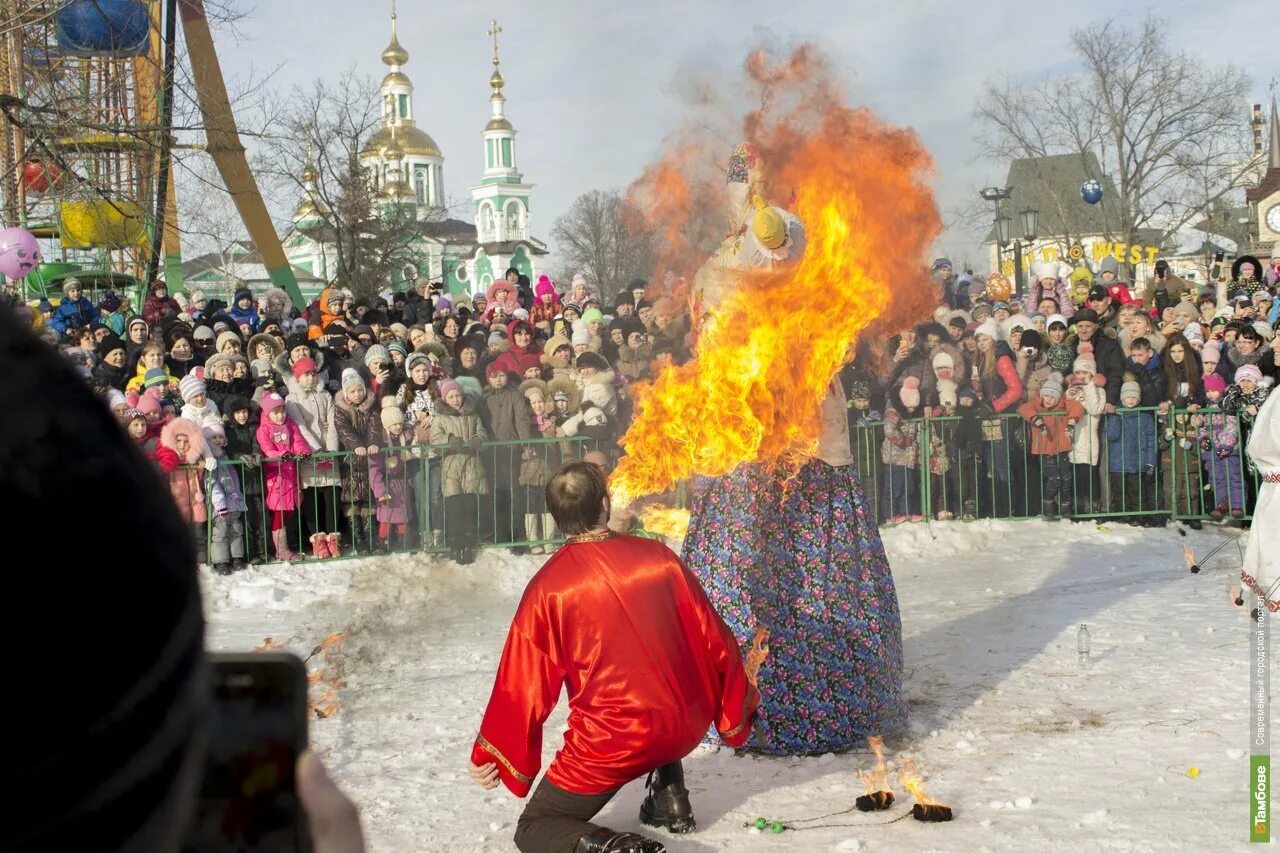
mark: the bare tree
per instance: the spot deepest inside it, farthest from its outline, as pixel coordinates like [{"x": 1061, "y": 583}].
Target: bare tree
[
  {"x": 593, "y": 238},
  {"x": 1165, "y": 125}
]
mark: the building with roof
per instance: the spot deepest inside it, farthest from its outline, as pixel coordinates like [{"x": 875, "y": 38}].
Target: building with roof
[
  {"x": 1263, "y": 199},
  {"x": 406, "y": 168},
  {"x": 221, "y": 274}
]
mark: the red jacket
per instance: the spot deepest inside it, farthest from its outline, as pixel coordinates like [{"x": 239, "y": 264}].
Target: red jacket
[
  {"x": 649, "y": 665},
  {"x": 1055, "y": 437}
]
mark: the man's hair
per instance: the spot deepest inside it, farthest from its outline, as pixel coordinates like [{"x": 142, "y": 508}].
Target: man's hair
[
  {"x": 575, "y": 495},
  {"x": 1140, "y": 344}
]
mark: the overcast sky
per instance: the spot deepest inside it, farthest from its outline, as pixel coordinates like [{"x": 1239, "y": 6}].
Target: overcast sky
[{"x": 592, "y": 85}]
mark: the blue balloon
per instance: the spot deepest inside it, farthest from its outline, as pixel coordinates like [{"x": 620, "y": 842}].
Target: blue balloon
[{"x": 1091, "y": 191}]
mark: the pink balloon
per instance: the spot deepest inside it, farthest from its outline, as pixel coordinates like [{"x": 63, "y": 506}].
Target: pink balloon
[{"x": 19, "y": 252}]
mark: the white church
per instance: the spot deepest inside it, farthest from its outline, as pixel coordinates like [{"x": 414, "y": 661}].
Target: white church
[{"x": 407, "y": 168}]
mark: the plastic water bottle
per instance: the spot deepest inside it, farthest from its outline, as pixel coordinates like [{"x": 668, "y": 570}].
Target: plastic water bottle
[{"x": 1082, "y": 646}]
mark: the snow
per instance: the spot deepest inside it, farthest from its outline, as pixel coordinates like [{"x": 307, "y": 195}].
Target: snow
[{"x": 1030, "y": 750}]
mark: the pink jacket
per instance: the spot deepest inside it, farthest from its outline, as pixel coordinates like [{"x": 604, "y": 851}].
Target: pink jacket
[
  {"x": 391, "y": 477},
  {"x": 281, "y": 477},
  {"x": 1061, "y": 293},
  {"x": 185, "y": 477}
]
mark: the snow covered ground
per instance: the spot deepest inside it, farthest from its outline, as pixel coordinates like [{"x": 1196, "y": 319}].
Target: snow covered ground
[{"x": 1031, "y": 751}]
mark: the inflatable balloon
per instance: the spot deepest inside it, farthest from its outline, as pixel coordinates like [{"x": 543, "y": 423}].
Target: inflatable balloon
[
  {"x": 999, "y": 288},
  {"x": 1091, "y": 191},
  {"x": 19, "y": 252},
  {"x": 38, "y": 176}
]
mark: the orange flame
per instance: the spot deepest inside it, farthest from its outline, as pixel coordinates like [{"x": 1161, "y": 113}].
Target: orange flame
[
  {"x": 671, "y": 522},
  {"x": 913, "y": 782},
  {"x": 269, "y": 645},
  {"x": 768, "y": 355},
  {"x": 756, "y": 654},
  {"x": 878, "y": 778},
  {"x": 326, "y": 677},
  {"x": 1188, "y": 555}
]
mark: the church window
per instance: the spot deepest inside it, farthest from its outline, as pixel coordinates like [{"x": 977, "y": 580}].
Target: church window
[
  {"x": 404, "y": 106},
  {"x": 506, "y": 152},
  {"x": 513, "y": 221},
  {"x": 420, "y": 182},
  {"x": 486, "y": 221}
]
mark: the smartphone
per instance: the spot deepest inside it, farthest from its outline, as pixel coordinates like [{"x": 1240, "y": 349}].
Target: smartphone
[{"x": 256, "y": 729}]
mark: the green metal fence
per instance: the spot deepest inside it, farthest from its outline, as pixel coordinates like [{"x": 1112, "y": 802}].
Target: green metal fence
[{"x": 1144, "y": 466}]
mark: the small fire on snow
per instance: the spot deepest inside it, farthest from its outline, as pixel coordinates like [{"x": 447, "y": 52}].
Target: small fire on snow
[
  {"x": 925, "y": 808},
  {"x": 756, "y": 654},
  {"x": 878, "y": 796},
  {"x": 324, "y": 678},
  {"x": 1190, "y": 557}
]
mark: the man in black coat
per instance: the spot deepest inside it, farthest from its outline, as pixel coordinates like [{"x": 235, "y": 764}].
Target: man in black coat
[{"x": 1106, "y": 353}]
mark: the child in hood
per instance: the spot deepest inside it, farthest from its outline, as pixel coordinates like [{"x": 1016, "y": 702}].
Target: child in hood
[
  {"x": 1132, "y": 456},
  {"x": 1220, "y": 450},
  {"x": 505, "y": 414},
  {"x": 536, "y": 465},
  {"x": 240, "y": 427},
  {"x": 311, "y": 407},
  {"x": 389, "y": 476},
  {"x": 1060, "y": 354},
  {"x": 357, "y": 419},
  {"x": 1086, "y": 387},
  {"x": 281, "y": 443},
  {"x": 457, "y": 425},
  {"x": 226, "y": 539},
  {"x": 1053, "y": 419},
  {"x": 197, "y": 407},
  {"x": 183, "y": 457},
  {"x": 1245, "y": 397}
]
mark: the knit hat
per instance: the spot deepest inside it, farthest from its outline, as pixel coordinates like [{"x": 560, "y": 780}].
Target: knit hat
[
  {"x": 980, "y": 307},
  {"x": 417, "y": 358},
  {"x": 494, "y": 367},
  {"x": 988, "y": 328},
  {"x": 1194, "y": 333},
  {"x": 497, "y": 336},
  {"x": 224, "y": 338},
  {"x": 202, "y": 333},
  {"x": 351, "y": 378},
  {"x": 447, "y": 385},
  {"x": 592, "y": 315},
  {"x": 1087, "y": 315},
  {"x": 581, "y": 335},
  {"x": 130, "y": 415},
  {"x": 1211, "y": 354},
  {"x": 376, "y": 353},
  {"x": 397, "y": 347},
  {"x": 190, "y": 387},
  {"x": 1214, "y": 382},
  {"x": 443, "y": 304},
  {"x": 941, "y": 263},
  {"x": 391, "y": 415},
  {"x": 213, "y": 429},
  {"x": 303, "y": 365},
  {"x": 909, "y": 393},
  {"x": 108, "y": 345},
  {"x": 947, "y": 391},
  {"x": 1264, "y": 330},
  {"x": 860, "y": 388},
  {"x": 1084, "y": 360},
  {"x": 575, "y": 308},
  {"x": 543, "y": 286},
  {"x": 271, "y": 402},
  {"x": 1131, "y": 389},
  {"x": 943, "y": 360},
  {"x": 235, "y": 403},
  {"x": 1031, "y": 338},
  {"x": 1052, "y": 387},
  {"x": 1249, "y": 371},
  {"x": 592, "y": 360},
  {"x": 155, "y": 378}
]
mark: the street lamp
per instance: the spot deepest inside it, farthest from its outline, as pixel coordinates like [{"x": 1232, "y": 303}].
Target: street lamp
[{"x": 1030, "y": 221}]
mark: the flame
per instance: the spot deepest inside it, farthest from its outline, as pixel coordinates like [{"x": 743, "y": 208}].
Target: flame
[
  {"x": 269, "y": 645},
  {"x": 769, "y": 352},
  {"x": 913, "y": 782},
  {"x": 878, "y": 778},
  {"x": 1188, "y": 555},
  {"x": 671, "y": 522},
  {"x": 757, "y": 654},
  {"x": 325, "y": 677}
]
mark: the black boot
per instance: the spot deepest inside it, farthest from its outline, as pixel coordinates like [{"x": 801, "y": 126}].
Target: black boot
[
  {"x": 223, "y": 568},
  {"x": 608, "y": 841},
  {"x": 667, "y": 804}
]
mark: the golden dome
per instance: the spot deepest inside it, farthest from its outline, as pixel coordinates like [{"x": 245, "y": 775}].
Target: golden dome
[
  {"x": 496, "y": 81},
  {"x": 309, "y": 173},
  {"x": 499, "y": 124},
  {"x": 392, "y": 150},
  {"x": 309, "y": 208},
  {"x": 412, "y": 141},
  {"x": 395, "y": 54},
  {"x": 395, "y": 78}
]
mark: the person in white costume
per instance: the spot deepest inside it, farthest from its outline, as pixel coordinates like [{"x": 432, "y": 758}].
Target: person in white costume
[{"x": 1263, "y": 551}]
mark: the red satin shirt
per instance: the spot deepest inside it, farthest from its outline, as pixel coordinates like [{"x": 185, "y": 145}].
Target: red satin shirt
[{"x": 648, "y": 663}]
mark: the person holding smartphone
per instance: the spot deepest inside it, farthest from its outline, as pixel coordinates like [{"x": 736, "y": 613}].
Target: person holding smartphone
[{"x": 111, "y": 748}]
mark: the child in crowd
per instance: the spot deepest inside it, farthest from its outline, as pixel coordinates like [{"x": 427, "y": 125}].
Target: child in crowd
[
  {"x": 281, "y": 443},
  {"x": 1053, "y": 419},
  {"x": 357, "y": 418},
  {"x": 900, "y": 452},
  {"x": 197, "y": 407},
  {"x": 388, "y": 475},
  {"x": 1086, "y": 387},
  {"x": 457, "y": 425},
  {"x": 428, "y": 495},
  {"x": 941, "y": 457},
  {"x": 180, "y": 451},
  {"x": 506, "y": 419},
  {"x": 1131, "y": 456},
  {"x": 226, "y": 538},
  {"x": 864, "y": 423},
  {"x": 310, "y": 406},
  {"x": 535, "y": 466},
  {"x": 1220, "y": 451},
  {"x": 242, "y": 448},
  {"x": 1245, "y": 397}
]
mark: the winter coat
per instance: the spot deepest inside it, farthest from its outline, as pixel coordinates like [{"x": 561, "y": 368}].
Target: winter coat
[
  {"x": 391, "y": 480},
  {"x": 1233, "y": 360},
  {"x": 312, "y": 411},
  {"x": 1002, "y": 391},
  {"x": 180, "y": 367},
  {"x": 1086, "y": 445},
  {"x": 155, "y": 306},
  {"x": 1174, "y": 287},
  {"x": 106, "y": 376},
  {"x": 1131, "y": 442},
  {"x": 218, "y": 392},
  {"x": 1110, "y": 360},
  {"x": 1061, "y": 294},
  {"x": 1152, "y": 380},
  {"x": 1033, "y": 374},
  {"x": 600, "y": 390},
  {"x": 242, "y": 447},
  {"x": 224, "y": 488},
  {"x": 634, "y": 363},
  {"x": 204, "y": 416},
  {"x": 517, "y": 360},
  {"x": 183, "y": 474},
  {"x": 1236, "y": 402},
  {"x": 506, "y": 415},
  {"x": 357, "y": 426},
  {"x": 281, "y": 476},
  {"x": 245, "y": 317},
  {"x": 283, "y": 373},
  {"x": 1058, "y": 421},
  {"x": 901, "y": 445},
  {"x": 460, "y": 470},
  {"x": 72, "y": 315},
  {"x": 1221, "y": 434}
]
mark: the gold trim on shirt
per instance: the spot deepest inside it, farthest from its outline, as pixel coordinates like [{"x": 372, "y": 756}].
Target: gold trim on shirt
[{"x": 493, "y": 750}]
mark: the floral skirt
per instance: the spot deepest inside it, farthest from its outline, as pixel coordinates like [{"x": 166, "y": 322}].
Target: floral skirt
[{"x": 804, "y": 559}]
